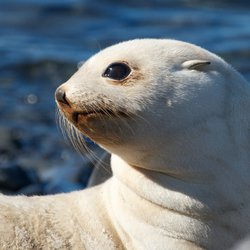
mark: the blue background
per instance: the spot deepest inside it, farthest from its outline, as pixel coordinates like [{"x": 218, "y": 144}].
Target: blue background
[{"x": 41, "y": 43}]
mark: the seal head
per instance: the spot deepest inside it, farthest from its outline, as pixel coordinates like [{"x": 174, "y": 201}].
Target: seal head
[{"x": 133, "y": 98}]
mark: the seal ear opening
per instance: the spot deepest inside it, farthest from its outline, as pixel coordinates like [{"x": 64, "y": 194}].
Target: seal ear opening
[{"x": 195, "y": 64}]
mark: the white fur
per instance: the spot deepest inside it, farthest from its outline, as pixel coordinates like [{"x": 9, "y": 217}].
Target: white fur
[{"x": 180, "y": 163}]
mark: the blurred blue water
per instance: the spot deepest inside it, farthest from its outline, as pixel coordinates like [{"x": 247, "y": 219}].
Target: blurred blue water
[
  {"x": 73, "y": 30},
  {"x": 41, "y": 43}
]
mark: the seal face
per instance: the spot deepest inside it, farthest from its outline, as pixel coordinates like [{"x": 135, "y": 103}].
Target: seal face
[{"x": 138, "y": 92}]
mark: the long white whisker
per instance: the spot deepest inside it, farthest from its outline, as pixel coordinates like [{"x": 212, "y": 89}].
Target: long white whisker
[{"x": 72, "y": 134}]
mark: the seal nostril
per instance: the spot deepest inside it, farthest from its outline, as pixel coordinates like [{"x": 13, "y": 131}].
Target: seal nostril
[{"x": 61, "y": 96}]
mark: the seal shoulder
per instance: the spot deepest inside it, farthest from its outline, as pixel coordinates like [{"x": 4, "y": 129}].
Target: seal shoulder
[{"x": 75, "y": 221}]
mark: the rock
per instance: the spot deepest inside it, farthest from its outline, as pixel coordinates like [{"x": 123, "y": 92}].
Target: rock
[
  {"x": 13, "y": 177},
  {"x": 33, "y": 189},
  {"x": 85, "y": 174},
  {"x": 61, "y": 186},
  {"x": 244, "y": 244},
  {"x": 7, "y": 143}
]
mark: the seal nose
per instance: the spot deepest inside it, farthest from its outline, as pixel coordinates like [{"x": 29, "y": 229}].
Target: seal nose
[{"x": 61, "y": 96}]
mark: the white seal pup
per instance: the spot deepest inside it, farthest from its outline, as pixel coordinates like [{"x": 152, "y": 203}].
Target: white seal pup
[{"x": 175, "y": 118}]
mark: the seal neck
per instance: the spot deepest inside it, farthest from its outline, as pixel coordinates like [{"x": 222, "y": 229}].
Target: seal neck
[
  {"x": 171, "y": 192},
  {"x": 199, "y": 212}
]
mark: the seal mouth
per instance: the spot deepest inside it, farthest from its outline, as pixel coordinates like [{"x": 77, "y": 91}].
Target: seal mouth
[{"x": 97, "y": 114}]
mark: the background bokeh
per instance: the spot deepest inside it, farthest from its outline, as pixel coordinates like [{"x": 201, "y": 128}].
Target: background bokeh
[{"x": 41, "y": 43}]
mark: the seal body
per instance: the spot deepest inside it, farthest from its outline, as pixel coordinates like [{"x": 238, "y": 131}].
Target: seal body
[
  {"x": 79, "y": 220},
  {"x": 175, "y": 119}
]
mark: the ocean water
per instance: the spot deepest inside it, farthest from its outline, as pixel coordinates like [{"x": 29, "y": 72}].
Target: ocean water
[{"x": 41, "y": 43}]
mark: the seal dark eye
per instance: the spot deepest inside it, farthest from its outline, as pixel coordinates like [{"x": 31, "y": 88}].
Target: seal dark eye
[{"x": 117, "y": 71}]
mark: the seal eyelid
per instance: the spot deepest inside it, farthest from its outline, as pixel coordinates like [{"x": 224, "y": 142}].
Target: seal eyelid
[
  {"x": 117, "y": 71},
  {"x": 195, "y": 64}
]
